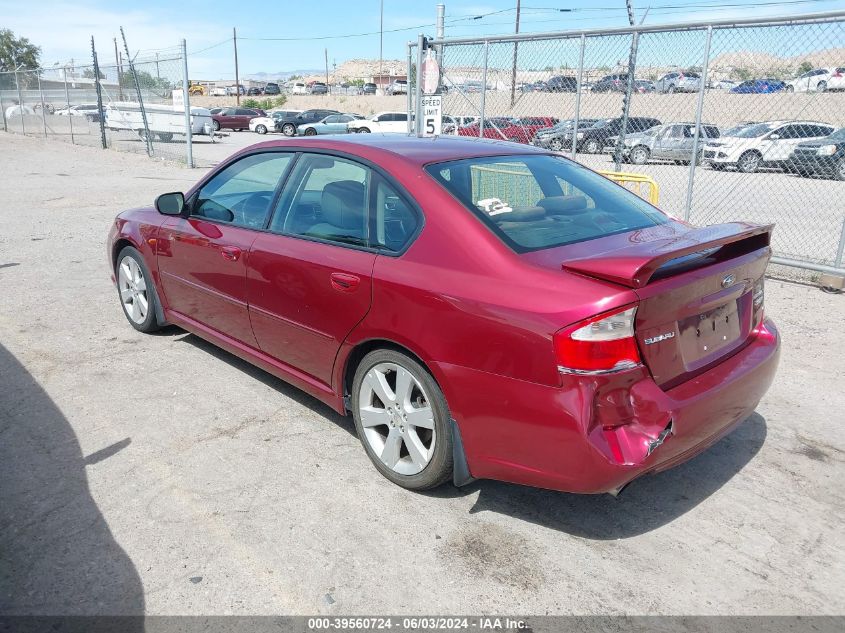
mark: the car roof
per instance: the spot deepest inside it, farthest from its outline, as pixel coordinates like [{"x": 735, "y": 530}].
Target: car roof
[{"x": 411, "y": 150}]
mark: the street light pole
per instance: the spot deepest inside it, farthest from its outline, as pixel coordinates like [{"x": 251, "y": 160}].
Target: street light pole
[{"x": 515, "y": 48}]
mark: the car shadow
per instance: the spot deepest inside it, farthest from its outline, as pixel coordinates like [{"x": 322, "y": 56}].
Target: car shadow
[
  {"x": 287, "y": 390},
  {"x": 645, "y": 505},
  {"x": 57, "y": 553}
]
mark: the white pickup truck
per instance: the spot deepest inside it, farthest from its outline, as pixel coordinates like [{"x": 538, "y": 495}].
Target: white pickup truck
[{"x": 163, "y": 120}]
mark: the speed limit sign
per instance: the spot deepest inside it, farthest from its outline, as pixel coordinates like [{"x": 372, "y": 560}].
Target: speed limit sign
[{"x": 432, "y": 115}]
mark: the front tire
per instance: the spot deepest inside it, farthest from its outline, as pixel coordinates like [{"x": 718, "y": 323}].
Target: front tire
[
  {"x": 592, "y": 146},
  {"x": 136, "y": 291},
  {"x": 839, "y": 172},
  {"x": 288, "y": 129},
  {"x": 215, "y": 125},
  {"x": 261, "y": 129},
  {"x": 555, "y": 145},
  {"x": 639, "y": 155},
  {"x": 363, "y": 130},
  {"x": 821, "y": 86},
  {"x": 790, "y": 88},
  {"x": 402, "y": 420},
  {"x": 749, "y": 162},
  {"x": 310, "y": 132}
]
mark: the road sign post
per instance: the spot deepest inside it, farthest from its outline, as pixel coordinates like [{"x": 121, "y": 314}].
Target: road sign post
[{"x": 432, "y": 115}]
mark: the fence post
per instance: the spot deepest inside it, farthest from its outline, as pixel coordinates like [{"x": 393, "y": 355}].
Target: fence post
[
  {"x": 67, "y": 100},
  {"x": 148, "y": 138},
  {"x": 3, "y": 109},
  {"x": 100, "y": 112},
  {"x": 698, "y": 109},
  {"x": 626, "y": 105},
  {"x": 43, "y": 109},
  {"x": 187, "y": 101},
  {"x": 483, "y": 89},
  {"x": 840, "y": 250},
  {"x": 20, "y": 102},
  {"x": 410, "y": 96},
  {"x": 418, "y": 86},
  {"x": 578, "y": 95}
]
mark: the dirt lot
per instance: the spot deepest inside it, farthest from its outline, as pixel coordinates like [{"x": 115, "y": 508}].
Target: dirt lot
[{"x": 158, "y": 474}]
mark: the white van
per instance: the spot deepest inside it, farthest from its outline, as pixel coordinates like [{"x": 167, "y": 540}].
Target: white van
[
  {"x": 299, "y": 88},
  {"x": 163, "y": 120}
]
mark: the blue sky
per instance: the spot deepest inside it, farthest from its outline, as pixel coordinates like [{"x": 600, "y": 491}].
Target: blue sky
[{"x": 63, "y": 29}]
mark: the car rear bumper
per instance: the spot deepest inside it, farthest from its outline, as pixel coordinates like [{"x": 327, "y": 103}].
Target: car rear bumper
[{"x": 553, "y": 437}]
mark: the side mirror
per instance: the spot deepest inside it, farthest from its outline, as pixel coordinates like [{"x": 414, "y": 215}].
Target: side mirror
[{"x": 170, "y": 203}]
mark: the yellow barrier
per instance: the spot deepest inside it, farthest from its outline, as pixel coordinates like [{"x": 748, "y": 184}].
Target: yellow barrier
[{"x": 639, "y": 181}]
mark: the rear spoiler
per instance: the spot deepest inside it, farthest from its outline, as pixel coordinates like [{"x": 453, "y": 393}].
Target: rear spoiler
[{"x": 634, "y": 265}]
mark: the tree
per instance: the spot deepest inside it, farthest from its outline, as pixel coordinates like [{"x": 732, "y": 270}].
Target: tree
[
  {"x": 743, "y": 73},
  {"x": 804, "y": 67},
  {"x": 17, "y": 52},
  {"x": 89, "y": 73}
]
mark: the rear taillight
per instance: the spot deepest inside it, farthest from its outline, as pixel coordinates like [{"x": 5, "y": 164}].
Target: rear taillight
[{"x": 602, "y": 343}]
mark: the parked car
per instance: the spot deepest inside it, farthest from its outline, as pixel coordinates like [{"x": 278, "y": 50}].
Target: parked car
[
  {"x": 90, "y": 111},
  {"x": 679, "y": 81},
  {"x": 299, "y": 88},
  {"x": 253, "y": 91},
  {"x": 235, "y": 118},
  {"x": 759, "y": 86},
  {"x": 264, "y": 124},
  {"x": 235, "y": 90},
  {"x": 818, "y": 80},
  {"x": 451, "y": 123},
  {"x": 272, "y": 89},
  {"x": 643, "y": 85},
  {"x": 593, "y": 139},
  {"x": 19, "y": 111},
  {"x": 822, "y": 157},
  {"x": 380, "y": 122},
  {"x": 369, "y": 89},
  {"x": 723, "y": 84},
  {"x": 562, "y": 83},
  {"x": 219, "y": 92},
  {"x": 559, "y": 136},
  {"x": 397, "y": 87},
  {"x": 493, "y": 127},
  {"x": 332, "y": 124},
  {"x": 287, "y": 125},
  {"x": 517, "y": 130},
  {"x": 374, "y": 280},
  {"x": 768, "y": 144},
  {"x": 318, "y": 88},
  {"x": 611, "y": 83},
  {"x": 731, "y": 131},
  {"x": 671, "y": 141},
  {"x": 215, "y": 110}
]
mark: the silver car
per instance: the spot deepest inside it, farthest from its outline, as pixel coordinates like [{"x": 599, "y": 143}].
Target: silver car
[
  {"x": 671, "y": 141},
  {"x": 679, "y": 81}
]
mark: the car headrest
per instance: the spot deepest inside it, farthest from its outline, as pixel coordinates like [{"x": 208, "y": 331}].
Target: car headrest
[
  {"x": 563, "y": 205},
  {"x": 342, "y": 204}
]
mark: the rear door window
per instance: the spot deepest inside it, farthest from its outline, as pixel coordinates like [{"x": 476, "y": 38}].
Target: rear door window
[{"x": 537, "y": 202}]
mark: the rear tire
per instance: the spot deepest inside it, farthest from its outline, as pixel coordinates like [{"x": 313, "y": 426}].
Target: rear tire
[
  {"x": 671, "y": 89},
  {"x": 821, "y": 86},
  {"x": 555, "y": 145},
  {"x": 839, "y": 172},
  {"x": 261, "y": 129},
  {"x": 592, "y": 146},
  {"x": 790, "y": 88},
  {"x": 363, "y": 130},
  {"x": 310, "y": 132},
  {"x": 421, "y": 455},
  {"x": 288, "y": 129},
  {"x": 215, "y": 126},
  {"x": 136, "y": 291}
]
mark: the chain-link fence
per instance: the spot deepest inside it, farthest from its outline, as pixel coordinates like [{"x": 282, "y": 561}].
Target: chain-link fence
[
  {"x": 731, "y": 119},
  {"x": 134, "y": 107}
]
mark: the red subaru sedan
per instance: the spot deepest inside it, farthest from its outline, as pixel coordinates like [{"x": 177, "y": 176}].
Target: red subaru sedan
[{"x": 482, "y": 309}]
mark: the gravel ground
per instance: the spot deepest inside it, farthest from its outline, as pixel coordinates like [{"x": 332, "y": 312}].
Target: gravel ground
[{"x": 157, "y": 474}]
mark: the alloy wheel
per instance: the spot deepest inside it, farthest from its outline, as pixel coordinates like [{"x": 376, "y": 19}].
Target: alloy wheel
[
  {"x": 840, "y": 170},
  {"x": 592, "y": 146},
  {"x": 288, "y": 129},
  {"x": 133, "y": 289},
  {"x": 397, "y": 418},
  {"x": 639, "y": 155},
  {"x": 261, "y": 129},
  {"x": 555, "y": 144}
]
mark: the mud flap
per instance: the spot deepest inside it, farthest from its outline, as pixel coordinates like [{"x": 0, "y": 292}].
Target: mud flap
[{"x": 460, "y": 469}]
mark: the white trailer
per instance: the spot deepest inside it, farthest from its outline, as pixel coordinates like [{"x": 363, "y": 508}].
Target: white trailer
[{"x": 163, "y": 120}]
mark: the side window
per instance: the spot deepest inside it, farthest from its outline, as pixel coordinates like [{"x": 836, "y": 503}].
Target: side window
[
  {"x": 241, "y": 194},
  {"x": 787, "y": 131},
  {"x": 327, "y": 199},
  {"x": 332, "y": 119},
  {"x": 395, "y": 221},
  {"x": 400, "y": 117},
  {"x": 344, "y": 119},
  {"x": 676, "y": 131}
]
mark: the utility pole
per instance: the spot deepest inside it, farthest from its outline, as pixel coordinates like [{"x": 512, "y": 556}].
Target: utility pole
[
  {"x": 237, "y": 80},
  {"x": 381, "y": 39},
  {"x": 629, "y": 88},
  {"x": 515, "y": 48},
  {"x": 327, "y": 69},
  {"x": 119, "y": 73},
  {"x": 158, "y": 75}
]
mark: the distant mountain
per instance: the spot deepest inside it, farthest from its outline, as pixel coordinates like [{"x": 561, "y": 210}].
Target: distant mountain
[{"x": 282, "y": 75}]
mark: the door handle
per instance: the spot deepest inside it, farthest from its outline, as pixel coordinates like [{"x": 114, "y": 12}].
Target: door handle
[
  {"x": 232, "y": 253},
  {"x": 344, "y": 282}
]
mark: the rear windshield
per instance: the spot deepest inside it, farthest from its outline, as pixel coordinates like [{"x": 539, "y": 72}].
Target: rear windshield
[{"x": 537, "y": 202}]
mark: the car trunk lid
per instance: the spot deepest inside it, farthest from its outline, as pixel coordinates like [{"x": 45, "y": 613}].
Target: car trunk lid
[{"x": 696, "y": 292}]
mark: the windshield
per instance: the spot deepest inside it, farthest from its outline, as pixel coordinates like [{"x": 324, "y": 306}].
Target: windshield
[
  {"x": 838, "y": 135},
  {"x": 753, "y": 131},
  {"x": 653, "y": 130},
  {"x": 539, "y": 201},
  {"x": 602, "y": 123}
]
